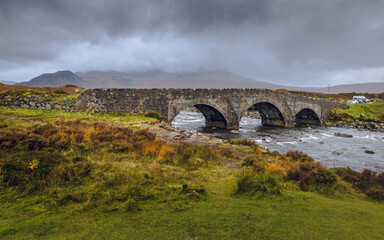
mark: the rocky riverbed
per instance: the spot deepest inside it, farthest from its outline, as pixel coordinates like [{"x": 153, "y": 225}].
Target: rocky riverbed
[
  {"x": 172, "y": 133},
  {"x": 361, "y": 125},
  {"x": 332, "y": 146}
]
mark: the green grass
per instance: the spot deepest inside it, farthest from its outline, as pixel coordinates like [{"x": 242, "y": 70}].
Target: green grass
[
  {"x": 98, "y": 176},
  {"x": 53, "y": 95},
  {"x": 30, "y": 117},
  {"x": 372, "y": 111},
  {"x": 296, "y": 215}
]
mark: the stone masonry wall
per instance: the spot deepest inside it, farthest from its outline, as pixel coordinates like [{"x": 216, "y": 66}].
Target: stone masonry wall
[{"x": 36, "y": 102}]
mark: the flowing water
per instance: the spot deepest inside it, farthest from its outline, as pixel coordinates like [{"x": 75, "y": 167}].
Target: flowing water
[{"x": 317, "y": 141}]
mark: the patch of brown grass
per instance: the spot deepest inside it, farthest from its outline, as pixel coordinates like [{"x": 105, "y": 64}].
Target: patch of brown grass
[{"x": 66, "y": 89}]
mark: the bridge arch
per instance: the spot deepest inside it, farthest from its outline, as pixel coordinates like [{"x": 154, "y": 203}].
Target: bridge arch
[
  {"x": 307, "y": 116},
  {"x": 214, "y": 115},
  {"x": 272, "y": 113}
]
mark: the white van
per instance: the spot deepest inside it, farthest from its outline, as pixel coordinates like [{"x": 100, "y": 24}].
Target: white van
[{"x": 361, "y": 99}]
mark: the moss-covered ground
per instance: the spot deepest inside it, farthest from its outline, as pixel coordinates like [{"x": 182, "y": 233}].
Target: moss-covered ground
[{"x": 106, "y": 176}]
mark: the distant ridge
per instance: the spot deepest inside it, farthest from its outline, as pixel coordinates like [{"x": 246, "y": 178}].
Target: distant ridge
[
  {"x": 56, "y": 79},
  {"x": 370, "y": 87},
  {"x": 160, "y": 79},
  {"x": 8, "y": 82}
]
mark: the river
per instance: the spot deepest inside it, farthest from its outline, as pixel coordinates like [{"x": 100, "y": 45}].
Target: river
[{"x": 317, "y": 141}]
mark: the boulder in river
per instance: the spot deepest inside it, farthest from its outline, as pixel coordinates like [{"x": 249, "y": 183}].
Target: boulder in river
[
  {"x": 343, "y": 135},
  {"x": 336, "y": 153},
  {"x": 369, "y": 152}
]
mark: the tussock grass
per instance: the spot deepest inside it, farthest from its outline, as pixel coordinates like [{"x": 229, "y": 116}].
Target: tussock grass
[
  {"x": 98, "y": 165},
  {"x": 86, "y": 175}
]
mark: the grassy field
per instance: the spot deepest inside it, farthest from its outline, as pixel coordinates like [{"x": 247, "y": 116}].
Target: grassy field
[
  {"x": 372, "y": 111},
  {"x": 105, "y": 176}
]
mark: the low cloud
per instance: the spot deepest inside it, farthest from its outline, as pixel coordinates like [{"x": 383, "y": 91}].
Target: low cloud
[{"x": 294, "y": 42}]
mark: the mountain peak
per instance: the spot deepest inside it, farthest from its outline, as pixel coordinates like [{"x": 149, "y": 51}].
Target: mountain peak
[{"x": 59, "y": 78}]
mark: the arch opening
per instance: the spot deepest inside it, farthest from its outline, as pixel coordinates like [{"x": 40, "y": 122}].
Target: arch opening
[
  {"x": 269, "y": 114},
  {"x": 194, "y": 115},
  {"x": 307, "y": 116},
  {"x": 213, "y": 118}
]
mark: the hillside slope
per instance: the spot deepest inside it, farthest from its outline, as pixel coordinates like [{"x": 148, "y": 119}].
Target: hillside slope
[
  {"x": 56, "y": 79},
  {"x": 160, "y": 79}
]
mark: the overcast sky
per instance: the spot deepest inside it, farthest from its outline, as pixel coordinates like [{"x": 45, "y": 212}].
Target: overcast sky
[{"x": 291, "y": 42}]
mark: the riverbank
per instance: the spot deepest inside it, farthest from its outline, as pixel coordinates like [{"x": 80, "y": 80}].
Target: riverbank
[
  {"x": 88, "y": 175},
  {"x": 367, "y": 116}
]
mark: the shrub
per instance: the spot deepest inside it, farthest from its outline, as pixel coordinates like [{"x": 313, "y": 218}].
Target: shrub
[
  {"x": 193, "y": 156},
  {"x": 311, "y": 175},
  {"x": 193, "y": 192},
  {"x": 368, "y": 181},
  {"x": 225, "y": 152},
  {"x": 339, "y": 115},
  {"x": 249, "y": 161},
  {"x": 130, "y": 206},
  {"x": 254, "y": 161},
  {"x": 376, "y": 192},
  {"x": 14, "y": 172},
  {"x": 349, "y": 175},
  {"x": 59, "y": 92},
  {"x": 64, "y": 135},
  {"x": 18, "y": 170},
  {"x": 250, "y": 182},
  {"x": 244, "y": 142},
  {"x": 184, "y": 153},
  {"x": 153, "y": 114},
  {"x": 299, "y": 156}
]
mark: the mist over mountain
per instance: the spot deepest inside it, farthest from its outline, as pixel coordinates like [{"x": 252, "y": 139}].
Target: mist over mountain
[
  {"x": 8, "y": 82},
  {"x": 161, "y": 79}
]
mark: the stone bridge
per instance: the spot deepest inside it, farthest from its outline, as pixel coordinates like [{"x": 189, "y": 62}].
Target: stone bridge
[{"x": 222, "y": 108}]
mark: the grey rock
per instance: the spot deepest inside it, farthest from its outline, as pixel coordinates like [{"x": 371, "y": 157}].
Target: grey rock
[
  {"x": 336, "y": 153},
  {"x": 343, "y": 135}
]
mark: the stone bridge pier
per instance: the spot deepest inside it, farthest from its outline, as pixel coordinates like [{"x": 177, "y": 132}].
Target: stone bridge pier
[{"x": 222, "y": 108}]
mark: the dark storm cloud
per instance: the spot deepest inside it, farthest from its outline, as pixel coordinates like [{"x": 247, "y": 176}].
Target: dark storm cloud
[{"x": 291, "y": 42}]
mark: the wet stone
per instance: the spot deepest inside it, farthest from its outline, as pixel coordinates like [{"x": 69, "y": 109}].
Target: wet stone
[
  {"x": 343, "y": 135},
  {"x": 369, "y": 152}
]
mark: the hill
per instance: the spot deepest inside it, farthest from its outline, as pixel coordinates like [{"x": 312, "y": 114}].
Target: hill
[
  {"x": 56, "y": 79},
  {"x": 371, "y": 87},
  {"x": 210, "y": 79},
  {"x": 8, "y": 82},
  {"x": 160, "y": 79}
]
